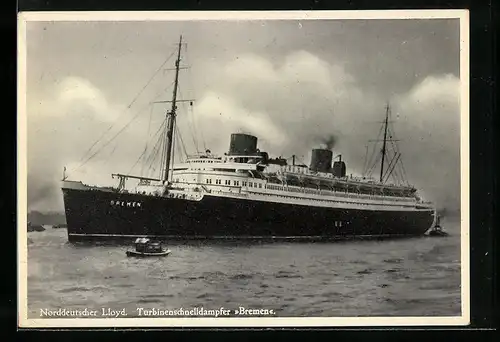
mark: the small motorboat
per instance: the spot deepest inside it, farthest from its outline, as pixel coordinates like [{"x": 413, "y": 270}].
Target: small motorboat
[
  {"x": 61, "y": 225},
  {"x": 146, "y": 248},
  {"x": 437, "y": 230}
]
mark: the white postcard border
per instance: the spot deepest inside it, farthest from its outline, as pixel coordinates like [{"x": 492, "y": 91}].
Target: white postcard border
[{"x": 25, "y": 322}]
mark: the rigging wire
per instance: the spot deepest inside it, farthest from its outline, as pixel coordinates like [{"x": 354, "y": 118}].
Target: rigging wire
[
  {"x": 395, "y": 146},
  {"x": 154, "y": 154},
  {"x": 191, "y": 126},
  {"x": 136, "y": 162},
  {"x": 144, "y": 151},
  {"x": 398, "y": 174},
  {"x": 374, "y": 153},
  {"x": 390, "y": 158},
  {"x": 163, "y": 156},
  {"x": 404, "y": 175},
  {"x": 192, "y": 111},
  {"x": 153, "y": 165},
  {"x": 109, "y": 141},
  {"x": 394, "y": 171},
  {"x": 147, "y": 134},
  {"x": 163, "y": 121},
  {"x": 401, "y": 164},
  {"x": 372, "y": 168},
  {"x": 117, "y": 134},
  {"x": 375, "y": 161},
  {"x": 181, "y": 140},
  {"x": 365, "y": 160},
  {"x": 178, "y": 151},
  {"x": 110, "y": 155},
  {"x": 171, "y": 166},
  {"x": 128, "y": 107},
  {"x": 392, "y": 163}
]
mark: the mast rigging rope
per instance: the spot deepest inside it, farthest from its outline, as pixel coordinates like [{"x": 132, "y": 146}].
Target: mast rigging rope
[{"x": 128, "y": 107}]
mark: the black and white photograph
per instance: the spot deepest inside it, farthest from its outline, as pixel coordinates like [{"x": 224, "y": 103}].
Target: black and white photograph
[{"x": 239, "y": 169}]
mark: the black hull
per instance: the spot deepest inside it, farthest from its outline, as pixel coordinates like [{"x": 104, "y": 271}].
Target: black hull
[{"x": 94, "y": 215}]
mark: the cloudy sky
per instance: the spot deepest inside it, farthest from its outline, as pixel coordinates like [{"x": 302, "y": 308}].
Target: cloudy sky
[{"x": 291, "y": 83}]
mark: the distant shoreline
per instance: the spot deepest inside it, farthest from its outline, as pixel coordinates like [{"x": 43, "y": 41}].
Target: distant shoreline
[{"x": 46, "y": 218}]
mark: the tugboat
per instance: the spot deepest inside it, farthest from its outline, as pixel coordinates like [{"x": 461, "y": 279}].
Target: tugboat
[
  {"x": 147, "y": 248},
  {"x": 437, "y": 230}
]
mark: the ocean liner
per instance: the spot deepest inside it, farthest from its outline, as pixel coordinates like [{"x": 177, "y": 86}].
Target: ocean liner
[{"x": 246, "y": 194}]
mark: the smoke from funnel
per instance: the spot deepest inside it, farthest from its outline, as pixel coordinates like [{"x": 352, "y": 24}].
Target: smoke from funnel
[{"x": 329, "y": 142}]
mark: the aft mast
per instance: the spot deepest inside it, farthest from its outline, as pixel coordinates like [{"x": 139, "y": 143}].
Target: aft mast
[
  {"x": 171, "y": 117},
  {"x": 384, "y": 146}
]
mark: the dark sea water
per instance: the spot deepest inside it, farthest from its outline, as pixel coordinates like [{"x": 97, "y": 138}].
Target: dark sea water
[{"x": 404, "y": 277}]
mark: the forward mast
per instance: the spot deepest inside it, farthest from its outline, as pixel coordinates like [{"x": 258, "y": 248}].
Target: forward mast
[{"x": 171, "y": 117}]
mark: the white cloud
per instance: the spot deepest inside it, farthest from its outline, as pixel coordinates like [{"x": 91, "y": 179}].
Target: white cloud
[
  {"x": 430, "y": 128},
  {"x": 228, "y": 117},
  {"x": 62, "y": 125},
  {"x": 304, "y": 98},
  {"x": 443, "y": 88}
]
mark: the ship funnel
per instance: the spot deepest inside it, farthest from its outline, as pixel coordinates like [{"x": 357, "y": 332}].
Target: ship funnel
[
  {"x": 242, "y": 144},
  {"x": 321, "y": 160},
  {"x": 339, "y": 169}
]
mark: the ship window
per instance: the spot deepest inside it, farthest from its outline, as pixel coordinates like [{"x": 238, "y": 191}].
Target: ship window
[
  {"x": 250, "y": 184},
  {"x": 260, "y": 185}
]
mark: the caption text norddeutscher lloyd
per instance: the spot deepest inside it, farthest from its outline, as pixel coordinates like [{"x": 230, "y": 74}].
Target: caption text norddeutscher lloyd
[{"x": 148, "y": 312}]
